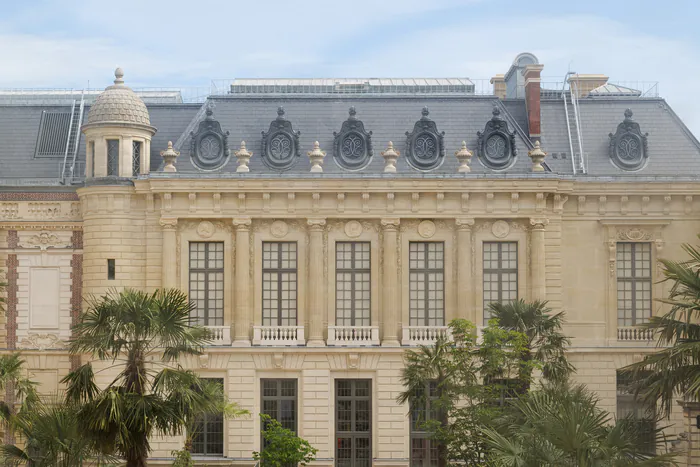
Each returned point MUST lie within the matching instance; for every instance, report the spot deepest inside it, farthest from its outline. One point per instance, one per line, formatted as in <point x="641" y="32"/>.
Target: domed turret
<point x="118" y="104"/>
<point x="118" y="133"/>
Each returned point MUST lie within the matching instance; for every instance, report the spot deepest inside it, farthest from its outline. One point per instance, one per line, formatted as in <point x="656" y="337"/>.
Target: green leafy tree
<point x="465" y="377"/>
<point x="545" y="341"/>
<point x="562" y="426"/>
<point x="139" y="336"/>
<point x="282" y="447"/>
<point x="675" y="369"/>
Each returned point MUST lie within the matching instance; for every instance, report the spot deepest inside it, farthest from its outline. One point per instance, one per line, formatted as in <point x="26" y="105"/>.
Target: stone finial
<point x="169" y="156"/>
<point x="537" y="155"/>
<point x="464" y="156"/>
<point x="316" y="157"/>
<point x="118" y="76"/>
<point x="390" y="157"/>
<point x="243" y="157"/>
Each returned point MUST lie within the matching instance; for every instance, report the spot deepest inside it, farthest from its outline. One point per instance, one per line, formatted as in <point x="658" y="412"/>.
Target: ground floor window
<point x="208" y="435"/>
<point x="638" y="412"/>
<point x="353" y="422"/>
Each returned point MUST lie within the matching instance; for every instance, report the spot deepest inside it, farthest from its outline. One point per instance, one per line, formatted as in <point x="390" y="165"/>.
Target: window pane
<point x="353" y="423"/>
<point x="206" y="281"/>
<point x="279" y="273"/>
<point x="208" y="436"/>
<point x="426" y="284"/>
<point x="633" y="283"/>
<point x="500" y="270"/>
<point x="136" y="161"/>
<point x="112" y="157"/>
<point x="353" y="284"/>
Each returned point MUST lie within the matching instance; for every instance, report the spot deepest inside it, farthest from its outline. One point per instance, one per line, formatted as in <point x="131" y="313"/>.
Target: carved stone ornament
<point x="628" y="146"/>
<point x="426" y="229"/>
<point x="425" y="147"/>
<point x="43" y="241"/>
<point x="634" y="234"/>
<point x="500" y="229"/>
<point x="209" y="144"/>
<point x="496" y="145"/>
<point x="280" y="144"/>
<point x="353" y="229"/>
<point x="279" y="229"/>
<point x="41" y="342"/>
<point x="205" y="229"/>
<point x="352" y="146"/>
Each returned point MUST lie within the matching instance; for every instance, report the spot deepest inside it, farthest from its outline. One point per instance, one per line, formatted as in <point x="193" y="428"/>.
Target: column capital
<point x="168" y="223"/>
<point x="241" y="223"/>
<point x="464" y="223"/>
<point x="390" y="223"/>
<point x="316" y="224"/>
<point x="539" y="223"/>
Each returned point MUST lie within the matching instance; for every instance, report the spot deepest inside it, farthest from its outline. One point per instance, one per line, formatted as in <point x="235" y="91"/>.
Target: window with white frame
<point x="426" y="283"/>
<point x="500" y="269"/>
<point x="279" y="284"/>
<point x="352" y="284"/>
<point x="633" y="283"/>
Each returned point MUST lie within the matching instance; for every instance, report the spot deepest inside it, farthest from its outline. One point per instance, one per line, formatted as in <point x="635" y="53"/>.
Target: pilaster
<point x="169" y="269"/>
<point x="316" y="228"/>
<point x="390" y="297"/>
<point x="537" y="259"/>
<point x="465" y="279"/>
<point x="242" y="317"/>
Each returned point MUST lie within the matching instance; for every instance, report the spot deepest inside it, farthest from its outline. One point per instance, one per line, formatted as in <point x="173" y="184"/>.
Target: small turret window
<point x="112" y="157"/>
<point x="92" y="158"/>
<point x="136" y="161"/>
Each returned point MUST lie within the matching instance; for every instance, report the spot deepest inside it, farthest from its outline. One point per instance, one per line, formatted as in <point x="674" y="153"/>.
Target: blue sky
<point x="68" y="43"/>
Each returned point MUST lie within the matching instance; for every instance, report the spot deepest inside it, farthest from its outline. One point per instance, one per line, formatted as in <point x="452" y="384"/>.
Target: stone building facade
<point x="317" y="265"/>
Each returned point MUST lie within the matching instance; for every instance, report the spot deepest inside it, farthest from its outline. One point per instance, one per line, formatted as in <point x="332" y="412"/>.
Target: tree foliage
<point x="675" y="369"/>
<point x="282" y="447"/>
<point x="140" y="336"/>
<point x="562" y="426"/>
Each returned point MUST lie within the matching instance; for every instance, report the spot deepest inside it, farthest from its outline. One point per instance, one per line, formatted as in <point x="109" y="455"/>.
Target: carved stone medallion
<point x="353" y="229"/>
<point x="279" y="229"/>
<point x="426" y="229"/>
<point x="500" y="229"/>
<point x="205" y="229"/>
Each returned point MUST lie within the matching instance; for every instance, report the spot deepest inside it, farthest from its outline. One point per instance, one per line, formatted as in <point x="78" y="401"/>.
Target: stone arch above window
<point x="496" y="145"/>
<point x="352" y="146"/>
<point x="280" y="144"/>
<point x="425" y="144"/>
<point x="628" y="146"/>
<point x="209" y="144"/>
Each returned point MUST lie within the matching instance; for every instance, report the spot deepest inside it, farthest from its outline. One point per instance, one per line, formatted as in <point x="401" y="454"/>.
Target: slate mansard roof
<point x="672" y="149"/>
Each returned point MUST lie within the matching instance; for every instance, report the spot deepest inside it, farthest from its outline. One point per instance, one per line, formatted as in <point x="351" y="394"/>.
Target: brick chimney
<point x="499" y="86"/>
<point x="531" y="73"/>
<point x="586" y="83"/>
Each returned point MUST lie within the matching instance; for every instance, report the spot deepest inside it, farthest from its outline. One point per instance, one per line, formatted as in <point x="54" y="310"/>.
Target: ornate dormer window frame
<point x="352" y="145"/>
<point x="496" y="144"/>
<point x="628" y="146"/>
<point x="425" y="145"/>
<point x="280" y="144"/>
<point x="209" y="144"/>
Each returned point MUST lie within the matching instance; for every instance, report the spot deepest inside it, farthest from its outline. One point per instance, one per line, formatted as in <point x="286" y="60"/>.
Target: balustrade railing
<point x="634" y="334"/>
<point x="278" y="335"/>
<point x="353" y="336"/>
<point x="220" y="335"/>
<point x="423" y="335"/>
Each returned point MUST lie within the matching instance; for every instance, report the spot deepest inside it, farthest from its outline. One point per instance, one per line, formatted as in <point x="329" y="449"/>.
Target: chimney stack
<point x="499" y="86"/>
<point x="531" y="73"/>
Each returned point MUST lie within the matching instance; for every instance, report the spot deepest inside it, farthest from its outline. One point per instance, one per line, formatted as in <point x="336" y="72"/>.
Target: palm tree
<point x="674" y="370"/>
<point x="544" y="340"/>
<point x="52" y="437"/>
<point x="140" y="336"/>
<point x="561" y="426"/>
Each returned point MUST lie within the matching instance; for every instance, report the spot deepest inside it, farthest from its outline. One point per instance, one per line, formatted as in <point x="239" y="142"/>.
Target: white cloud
<point x="162" y="43"/>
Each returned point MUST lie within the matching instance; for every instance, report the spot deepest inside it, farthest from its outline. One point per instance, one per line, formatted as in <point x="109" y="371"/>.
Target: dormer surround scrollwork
<point x="280" y="144"/>
<point x="209" y="144"/>
<point x="496" y="144"/>
<point x="425" y="147"/>
<point x="628" y="146"/>
<point x="352" y="146"/>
